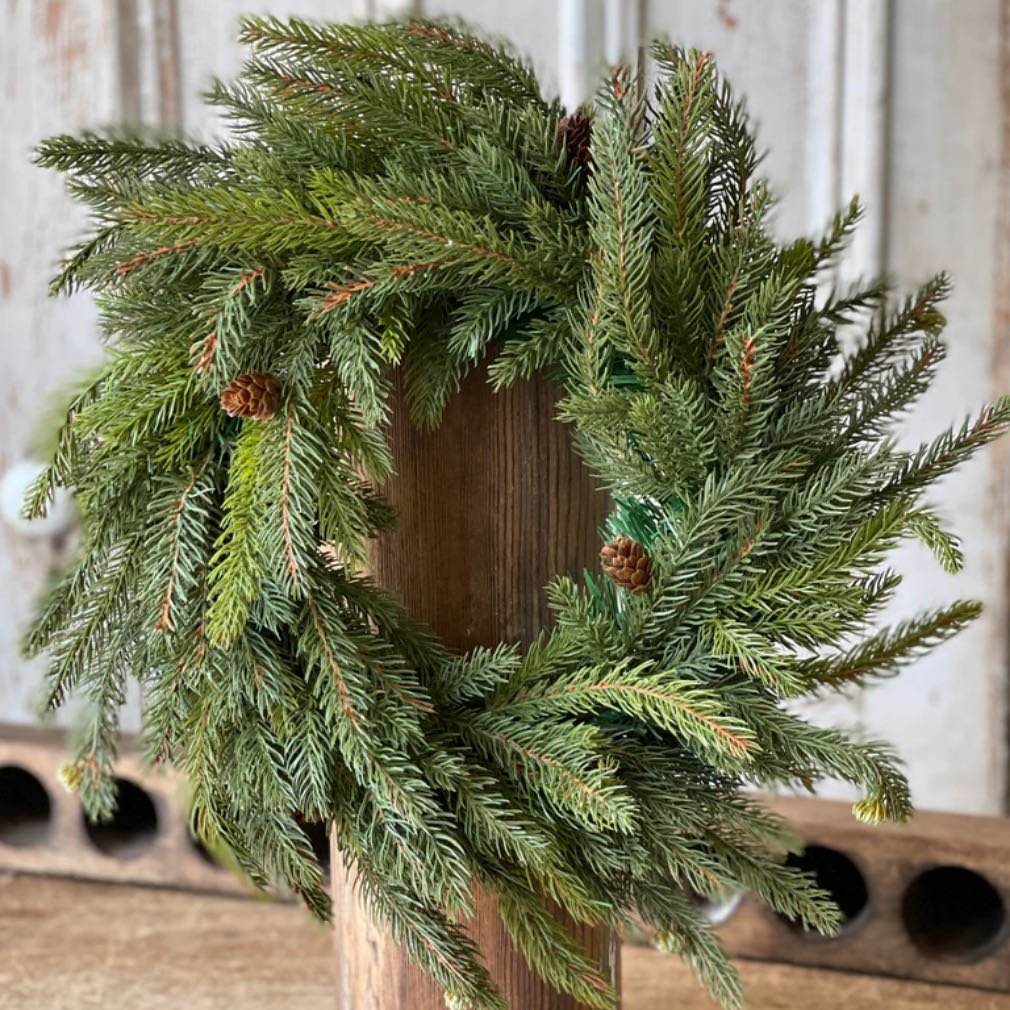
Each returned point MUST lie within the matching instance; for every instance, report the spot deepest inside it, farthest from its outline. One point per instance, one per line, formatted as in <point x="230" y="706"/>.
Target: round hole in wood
<point x="952" y="913"/>
<point x="319" y="839"/>
<point x="134" y="825"/>
<point x="836" y="873"/>
<point x="25" y="808"/>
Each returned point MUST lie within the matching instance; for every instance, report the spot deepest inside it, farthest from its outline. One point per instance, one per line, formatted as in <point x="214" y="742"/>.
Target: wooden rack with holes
<point x="43" y="829"/>
<point x="928" y="900"/>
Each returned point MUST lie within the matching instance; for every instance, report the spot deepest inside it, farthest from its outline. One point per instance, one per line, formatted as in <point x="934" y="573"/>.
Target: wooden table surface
<point x="84" y="946"/>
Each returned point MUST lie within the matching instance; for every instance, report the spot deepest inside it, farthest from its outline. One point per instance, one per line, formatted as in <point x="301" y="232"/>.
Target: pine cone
<point x="252" y="394"/>
<point x="628" y="564"/>
<point x="576" y="132"/>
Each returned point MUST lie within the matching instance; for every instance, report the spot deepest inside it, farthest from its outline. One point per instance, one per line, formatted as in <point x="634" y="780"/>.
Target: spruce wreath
<point x="402" y="195"/>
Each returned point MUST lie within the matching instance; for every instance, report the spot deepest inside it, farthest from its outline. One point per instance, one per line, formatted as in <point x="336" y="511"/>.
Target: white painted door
<point x="906" y="102"/>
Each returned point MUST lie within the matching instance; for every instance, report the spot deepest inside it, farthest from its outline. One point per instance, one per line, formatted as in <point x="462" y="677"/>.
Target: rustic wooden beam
<point x="491" y="506"/>
<point x="43" y="829"/>
<point x="926" y="900"/>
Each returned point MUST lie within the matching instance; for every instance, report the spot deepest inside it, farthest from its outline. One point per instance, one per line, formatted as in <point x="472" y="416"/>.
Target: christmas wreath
<point x="402" y="195"/>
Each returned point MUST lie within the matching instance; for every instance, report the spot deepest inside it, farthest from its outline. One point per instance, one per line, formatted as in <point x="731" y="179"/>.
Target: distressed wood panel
<point x="209" y="48"/>
<point x="535" y="29"/>
<point x="946" y="207"/>
<point x="59" y="73"/>
<point x="902" y="100"/>
<point x="781" y="55"/>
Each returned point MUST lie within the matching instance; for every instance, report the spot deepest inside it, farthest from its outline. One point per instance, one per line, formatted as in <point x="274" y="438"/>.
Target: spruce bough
<point x="402" y="195"/>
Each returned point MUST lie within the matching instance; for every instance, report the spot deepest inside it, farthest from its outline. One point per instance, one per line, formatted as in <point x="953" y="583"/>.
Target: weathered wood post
<point x="491" y="505"/>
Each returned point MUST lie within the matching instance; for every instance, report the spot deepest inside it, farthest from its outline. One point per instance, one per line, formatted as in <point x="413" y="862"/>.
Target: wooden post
<point x="491" y="505"/>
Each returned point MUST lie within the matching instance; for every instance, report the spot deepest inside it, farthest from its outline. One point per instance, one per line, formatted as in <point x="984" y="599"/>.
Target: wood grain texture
<point x="373" y="974"/>
<point x="67" y="945"/>
<point x="1000" y="351"/>
<point x="491" y="506"/>
<point x="654" y="981"/>
<point x="57" y="75"/>
<point x="945" y="210"/>
<point x="905" y="102"/>
<point x="947" y="176"/>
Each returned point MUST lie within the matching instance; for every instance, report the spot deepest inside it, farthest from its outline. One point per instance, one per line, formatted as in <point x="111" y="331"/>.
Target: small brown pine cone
<point x="628" y="564"/>
<point x="254" y="395"/>
<point x="576" y="132"/>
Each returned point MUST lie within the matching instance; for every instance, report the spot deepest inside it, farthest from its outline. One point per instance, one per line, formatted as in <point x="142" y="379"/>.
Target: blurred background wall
<point x="905" y="102"/>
